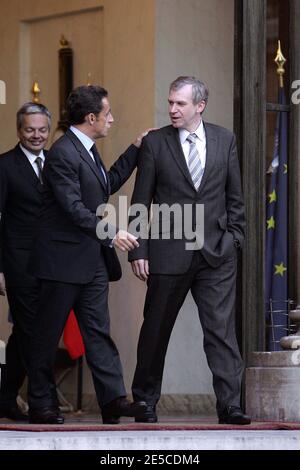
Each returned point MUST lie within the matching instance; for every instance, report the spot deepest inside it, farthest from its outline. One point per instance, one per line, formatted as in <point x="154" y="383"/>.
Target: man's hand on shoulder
<point x="2" y="284"/>
<point x="125" y="241"/>
<point x="138" y="140"/>
<point x="140" y="268"/>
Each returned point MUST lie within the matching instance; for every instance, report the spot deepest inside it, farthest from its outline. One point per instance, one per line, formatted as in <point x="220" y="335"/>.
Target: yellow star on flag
<point x="271" y="223"/>
<point x="280" y="269"/>
<point x="285" y="168"/>
<point x="272" y="196"/>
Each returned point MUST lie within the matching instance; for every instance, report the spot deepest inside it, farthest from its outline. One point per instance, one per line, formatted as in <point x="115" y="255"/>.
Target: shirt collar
<point x="86" y="141"/>
<point x="31" y="156"/>
<point x="200" y="133"/>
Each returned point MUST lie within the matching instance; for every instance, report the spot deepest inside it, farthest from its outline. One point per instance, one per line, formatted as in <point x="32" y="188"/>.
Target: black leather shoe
<point x="233" y="415"/>
<point x="12" y="412"/>
<point x="46" y="416"/>
<point x="149" y="415"/>
<point x="121" y="407"/>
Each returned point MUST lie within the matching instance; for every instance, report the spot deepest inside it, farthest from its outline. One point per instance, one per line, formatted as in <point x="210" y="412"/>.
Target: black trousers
<point x="214" y="293"/>
<point x="23" y="302"/>
<point x="90" y="304"/>
<point x="12" y="373"/>
<point x="23" y="305"/>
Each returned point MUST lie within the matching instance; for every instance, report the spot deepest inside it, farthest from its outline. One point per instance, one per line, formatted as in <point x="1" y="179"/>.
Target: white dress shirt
<point x="200" y="143"/>
<point x="86" y="141"/>
<point x="32" y="157"/>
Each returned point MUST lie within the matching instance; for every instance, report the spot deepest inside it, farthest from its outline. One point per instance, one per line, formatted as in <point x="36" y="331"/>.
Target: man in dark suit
<point x="20" y="203"/>
<point x="73" y="263"/>
<point x="187" y="164"/>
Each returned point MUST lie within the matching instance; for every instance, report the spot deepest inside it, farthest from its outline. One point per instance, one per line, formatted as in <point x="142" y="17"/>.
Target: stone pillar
<point x="272" y="386"/>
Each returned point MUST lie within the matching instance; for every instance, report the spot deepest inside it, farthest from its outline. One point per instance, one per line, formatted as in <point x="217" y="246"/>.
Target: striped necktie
<point x="194" y="162"/>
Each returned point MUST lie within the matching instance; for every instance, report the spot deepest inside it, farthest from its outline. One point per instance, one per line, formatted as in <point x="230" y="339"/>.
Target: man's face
<point x="103" y="121"/>
<point x="184" y="114"/>
<point x="34" y="132"/>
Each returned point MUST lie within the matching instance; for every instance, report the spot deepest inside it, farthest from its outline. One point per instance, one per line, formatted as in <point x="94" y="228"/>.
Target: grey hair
<point x="32" y="108"/>
<point x="199" y="89"/>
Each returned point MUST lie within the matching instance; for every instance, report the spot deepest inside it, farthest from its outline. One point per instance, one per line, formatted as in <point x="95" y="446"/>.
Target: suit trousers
<point x="23" y="304"/>
<point x="213" y="290"/>
<point x="12" y="373"/>
<point x="90" y="304"/>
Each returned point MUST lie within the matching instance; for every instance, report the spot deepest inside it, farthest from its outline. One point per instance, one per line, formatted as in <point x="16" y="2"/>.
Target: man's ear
<point x="201" y="106"/>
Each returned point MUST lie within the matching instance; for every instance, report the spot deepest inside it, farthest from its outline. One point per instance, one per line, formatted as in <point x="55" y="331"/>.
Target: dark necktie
<point x="39" y="164"/>
<point x="98" y="162"/>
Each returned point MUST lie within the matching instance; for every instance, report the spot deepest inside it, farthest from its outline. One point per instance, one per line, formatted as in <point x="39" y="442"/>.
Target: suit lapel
<point x="25" y="167"/>
<point x="88" y="159"/>
<point x="211" y="150"/>
<point x="174" y="144"/>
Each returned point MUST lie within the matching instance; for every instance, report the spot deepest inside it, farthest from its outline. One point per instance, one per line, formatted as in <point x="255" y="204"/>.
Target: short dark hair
<point x="84" y="100"/>
<point x="32" y="108"/>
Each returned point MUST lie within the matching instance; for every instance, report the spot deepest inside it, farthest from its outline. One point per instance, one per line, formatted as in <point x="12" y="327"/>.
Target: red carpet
<point x="201" y="425"/>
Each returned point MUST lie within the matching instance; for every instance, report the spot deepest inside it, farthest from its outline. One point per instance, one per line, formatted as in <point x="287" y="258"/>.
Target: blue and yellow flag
<point x="277" y="237"/>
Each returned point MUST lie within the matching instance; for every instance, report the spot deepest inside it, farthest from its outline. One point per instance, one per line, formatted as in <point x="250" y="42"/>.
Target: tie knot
<point x="39" y="161"/>
<point x="191" y="138"/>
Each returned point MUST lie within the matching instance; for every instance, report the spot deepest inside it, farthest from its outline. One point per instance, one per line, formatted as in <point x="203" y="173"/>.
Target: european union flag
<point x="277" y="236"/>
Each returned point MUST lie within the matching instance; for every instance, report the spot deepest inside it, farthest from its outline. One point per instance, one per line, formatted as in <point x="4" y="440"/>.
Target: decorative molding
<point x="62" y="14"/>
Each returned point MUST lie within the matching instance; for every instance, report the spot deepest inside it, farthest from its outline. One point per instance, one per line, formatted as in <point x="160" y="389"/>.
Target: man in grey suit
<point x="190" y="163"/>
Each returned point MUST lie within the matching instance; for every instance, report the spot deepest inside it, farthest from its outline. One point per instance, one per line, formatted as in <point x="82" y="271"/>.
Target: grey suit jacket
<point x="163" y="178"/>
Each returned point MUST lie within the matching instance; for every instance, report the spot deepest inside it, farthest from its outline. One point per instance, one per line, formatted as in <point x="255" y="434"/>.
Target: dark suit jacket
<point x="67" y="248"/>
<point x="20" y="204"/>
<point x="163" y="178"/>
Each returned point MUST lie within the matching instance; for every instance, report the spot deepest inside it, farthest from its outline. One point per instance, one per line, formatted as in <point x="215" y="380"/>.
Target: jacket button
<point x="105" y="199"/>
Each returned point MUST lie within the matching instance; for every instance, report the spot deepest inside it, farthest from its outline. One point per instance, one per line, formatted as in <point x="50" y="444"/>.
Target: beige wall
<point x="124" y="51"/>
<point x="142" y="46"/>
<point x="127" y="71"/>
<point x="15" y="20"/>
<point x="81" y="28"/>
<point x="129" y="75"/>
<point x="193" y="37"/>
<point x="196" y="37"/>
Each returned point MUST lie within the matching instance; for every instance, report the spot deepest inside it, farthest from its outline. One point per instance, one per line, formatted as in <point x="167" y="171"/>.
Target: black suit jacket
<point x="67" y="248"/>
<point x="163" y="177"/>
<point x="20" y="204"/>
